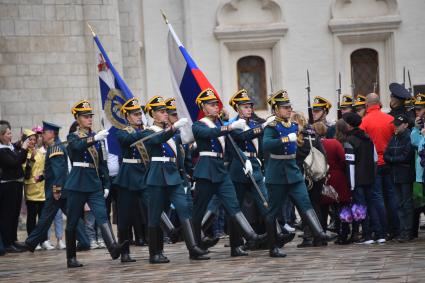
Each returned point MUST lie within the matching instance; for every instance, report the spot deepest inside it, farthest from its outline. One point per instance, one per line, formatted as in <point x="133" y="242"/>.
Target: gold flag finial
<point x="91" y="29"/>
<point x="164" y="16"/>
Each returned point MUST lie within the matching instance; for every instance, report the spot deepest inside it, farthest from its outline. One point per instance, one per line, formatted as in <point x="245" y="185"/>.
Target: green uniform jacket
<point x="84" y="179"/>
<point x="281" y="171"/>
<point x="131" y="175"/>
<point x="211" y="168"/>
<point x="245" y="141"/>
<point x="162" y="173"/>
<point x="55" y="169"/>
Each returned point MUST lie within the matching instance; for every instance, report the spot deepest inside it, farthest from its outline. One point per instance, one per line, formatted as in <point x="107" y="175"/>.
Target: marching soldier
<point x="249" y="141"/>
<point x="283" y="176"/>
<point x="186" y="161"/>
<point x="55" y="173"/>
<point x="87" y="181"/>
<point x="164" y="182"/>
<point x="359" y="105"/>
<point x="210" y="173"/>
<point x="346" y="104"/>
<point x="186" y="171"/>
<point x="321" y="107"/>
<point x="399" y="95"/>
<point x="131" y="174"/>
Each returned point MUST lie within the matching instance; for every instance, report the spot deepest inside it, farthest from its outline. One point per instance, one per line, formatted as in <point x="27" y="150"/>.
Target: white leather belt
<point x="83" y="164"/>
<point x="163" y="159"/>
<point x="282" y="156"/>
<point x="211" y="154"/>
<point x="250" y="154"/>
<point x="131" y="161"/>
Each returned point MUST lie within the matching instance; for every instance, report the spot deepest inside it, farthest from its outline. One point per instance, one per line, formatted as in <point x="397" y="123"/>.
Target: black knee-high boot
<point x="195" y="252"/>
<point x="155" y="250"/>
<point x="113" y="247"/>
<point x="71" y="250"/>
<point x="274" y="250"/>
<point x="168" y="226"/>
<point x="123" y="239"/>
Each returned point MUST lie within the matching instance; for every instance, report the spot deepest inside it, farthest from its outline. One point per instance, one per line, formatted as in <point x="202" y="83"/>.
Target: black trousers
<point x="34" y="209"/>
<point x="10" y="208"/>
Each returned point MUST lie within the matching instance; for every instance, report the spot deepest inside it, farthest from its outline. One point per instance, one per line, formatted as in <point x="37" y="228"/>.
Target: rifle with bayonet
<point x="410" y="83"/>
<point x="338" y="93"/>
<point x="310" y="110"/>
<point x="353" y="87"/>
<point x="376" y="83"/>
<point x="404" y="76"/>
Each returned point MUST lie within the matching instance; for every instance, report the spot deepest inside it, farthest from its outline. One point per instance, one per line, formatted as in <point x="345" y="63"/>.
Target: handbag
<point x="315" y="164"/>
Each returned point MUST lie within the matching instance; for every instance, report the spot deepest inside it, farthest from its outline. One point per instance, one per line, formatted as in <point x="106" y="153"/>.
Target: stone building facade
<point x="47" y="55"/>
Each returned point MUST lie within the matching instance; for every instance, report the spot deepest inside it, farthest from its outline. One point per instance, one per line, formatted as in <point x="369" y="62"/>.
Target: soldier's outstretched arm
<point x="239" y="135"/>
<point x="125" y="138"/>
<point x="76" y="143"/>
<point x="200" y="130"/>
<point x="161" y="138"/>
<point x="271" y="140"/>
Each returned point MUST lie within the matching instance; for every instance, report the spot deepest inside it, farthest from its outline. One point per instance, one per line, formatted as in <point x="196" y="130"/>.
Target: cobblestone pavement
<point x="391" y="262"/>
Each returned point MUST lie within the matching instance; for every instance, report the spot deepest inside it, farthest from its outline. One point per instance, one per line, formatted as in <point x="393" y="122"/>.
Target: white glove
<point x="292" y="137"/>
<point x="180" y="123"/>
<point x="105" y="193"/>
<point x="268" y="121"/>
<point x="238" y="124"/>
<point x="101" y="135"/>
<point x="248" y="167"/>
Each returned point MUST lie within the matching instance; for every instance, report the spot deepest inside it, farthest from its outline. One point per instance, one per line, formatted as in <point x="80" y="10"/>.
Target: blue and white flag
<point x="114" y="93"/>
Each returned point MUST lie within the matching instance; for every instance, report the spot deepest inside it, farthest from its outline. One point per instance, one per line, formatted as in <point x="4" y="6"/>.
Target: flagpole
<point x="164" y="16"/>
<point x="91" y="29"/>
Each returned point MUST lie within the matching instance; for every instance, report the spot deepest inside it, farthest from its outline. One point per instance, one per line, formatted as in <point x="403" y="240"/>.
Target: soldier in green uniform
<point x="346" y="104"/>
<point x="131" y="174"/>
<point x="164" y="182"/>
<point x="87" y="181"/>
<point x="321" y="107"/>
<point x="359" y="105"/>
<point x="210" y="173"/>
<point x="55" y="173"/>
<point x="250" y="142"/>
<point x="283" y="176"/>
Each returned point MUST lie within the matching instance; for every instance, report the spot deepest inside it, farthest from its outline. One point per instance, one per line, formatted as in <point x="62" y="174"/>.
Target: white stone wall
<point x="47" y="56"/>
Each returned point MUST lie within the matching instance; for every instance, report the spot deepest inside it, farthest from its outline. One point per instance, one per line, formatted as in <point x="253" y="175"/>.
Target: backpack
<point x="315" y="164"/>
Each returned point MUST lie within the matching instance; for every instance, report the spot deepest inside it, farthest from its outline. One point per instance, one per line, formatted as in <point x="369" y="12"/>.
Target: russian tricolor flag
<point x="114" y="92"/>
<point x="188" y="81"/>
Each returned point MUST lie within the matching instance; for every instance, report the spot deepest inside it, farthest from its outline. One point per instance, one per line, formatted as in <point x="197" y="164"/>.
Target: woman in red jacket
<point x="337" y="178"/>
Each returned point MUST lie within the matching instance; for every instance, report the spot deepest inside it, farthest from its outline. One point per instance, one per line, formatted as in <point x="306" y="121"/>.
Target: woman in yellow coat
<point x="34" y="183"/>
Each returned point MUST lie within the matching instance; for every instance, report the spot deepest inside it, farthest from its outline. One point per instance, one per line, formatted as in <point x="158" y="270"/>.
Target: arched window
<point x="365" y="71"/>
<point x="252" y="77"/>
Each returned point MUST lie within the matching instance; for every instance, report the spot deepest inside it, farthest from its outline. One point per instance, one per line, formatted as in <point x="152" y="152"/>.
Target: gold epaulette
<point x="257" y="130"/>
<point x="285" y="139"/>
<point x="56" y="151"/>
<point x="272" y="123"/>
<point x="129" y="129"/>
<point x="224" y="128"/>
